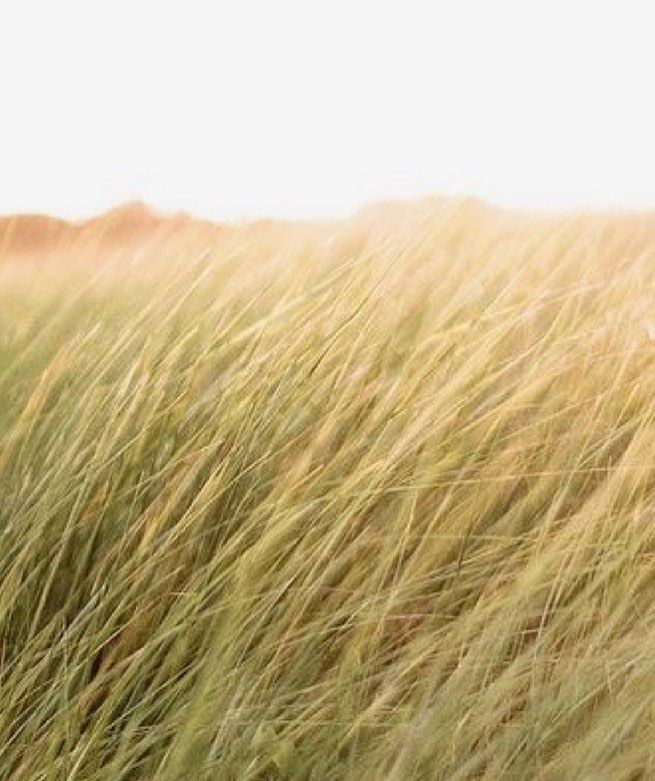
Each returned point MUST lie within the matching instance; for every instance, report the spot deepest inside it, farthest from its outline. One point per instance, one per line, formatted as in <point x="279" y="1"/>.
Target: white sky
<point x="310" y="108"/>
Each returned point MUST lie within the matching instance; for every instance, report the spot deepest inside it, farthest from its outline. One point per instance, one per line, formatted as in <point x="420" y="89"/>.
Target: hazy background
<point x="231" y="109"/>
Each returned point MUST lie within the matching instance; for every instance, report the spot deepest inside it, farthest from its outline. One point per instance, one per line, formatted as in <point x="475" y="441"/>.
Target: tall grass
<point x="363" y="500"/>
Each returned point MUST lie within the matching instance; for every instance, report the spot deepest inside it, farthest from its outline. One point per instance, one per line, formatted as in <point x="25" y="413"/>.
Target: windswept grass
<point x="371" y="500"/>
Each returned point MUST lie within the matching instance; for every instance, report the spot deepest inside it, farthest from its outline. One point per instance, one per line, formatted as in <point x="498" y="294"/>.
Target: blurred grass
<point x="365" y="500"/>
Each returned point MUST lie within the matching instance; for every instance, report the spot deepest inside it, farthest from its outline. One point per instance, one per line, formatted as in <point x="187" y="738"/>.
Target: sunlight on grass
<point x="359" y="500"/>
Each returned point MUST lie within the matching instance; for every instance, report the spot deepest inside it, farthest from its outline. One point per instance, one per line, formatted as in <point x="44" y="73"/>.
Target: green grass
<point x="365" y="502"/>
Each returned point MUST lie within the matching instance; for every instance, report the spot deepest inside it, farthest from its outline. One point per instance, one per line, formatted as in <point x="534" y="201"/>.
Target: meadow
<point x="363" y="499"/>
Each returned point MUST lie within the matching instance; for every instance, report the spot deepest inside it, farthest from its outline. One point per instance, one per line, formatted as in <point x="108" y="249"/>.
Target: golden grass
<point x="370" y="499"/>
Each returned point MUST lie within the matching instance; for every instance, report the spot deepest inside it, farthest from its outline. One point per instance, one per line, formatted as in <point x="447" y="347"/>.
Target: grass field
<point x="360" y="500"/>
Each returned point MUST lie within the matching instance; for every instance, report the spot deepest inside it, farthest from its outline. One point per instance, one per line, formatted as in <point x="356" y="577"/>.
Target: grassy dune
<point x="351" y="501"/>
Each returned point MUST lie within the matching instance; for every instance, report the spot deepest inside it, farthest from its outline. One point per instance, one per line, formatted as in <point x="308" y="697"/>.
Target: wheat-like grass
<point x="363" y="500"/>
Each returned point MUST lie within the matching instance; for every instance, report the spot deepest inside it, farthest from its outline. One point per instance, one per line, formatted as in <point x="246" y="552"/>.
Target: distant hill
<point x="36" y="235"/>
<point x="129" y="228"/>
<point x="30" y="233"/>
<point x="33" y="237"/>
